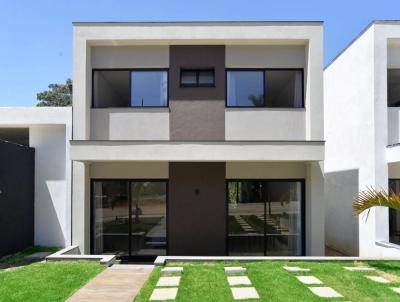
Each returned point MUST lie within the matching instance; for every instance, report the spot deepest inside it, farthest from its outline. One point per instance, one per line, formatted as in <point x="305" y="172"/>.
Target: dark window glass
<point x="197" y="78"/>
<point x="265" y="88"/>
<point x="111" y="88"/>
<point x="125" y="88"/>
<point x="129" y="217"/>
<point x="206" y="78"/>
<point x="393" y="86"/>
<point x="245" y="88"/>
<point x="188" y="78"/>
<point x="111" y="217"/>
<point x="264" y="218"/>
<point x="394" y="215"/>
<point x="149" y="88"/>
<point x="284" y="88"/>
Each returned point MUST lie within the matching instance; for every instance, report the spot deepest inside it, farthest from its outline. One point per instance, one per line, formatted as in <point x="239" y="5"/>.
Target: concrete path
<point x="116" y="283"/>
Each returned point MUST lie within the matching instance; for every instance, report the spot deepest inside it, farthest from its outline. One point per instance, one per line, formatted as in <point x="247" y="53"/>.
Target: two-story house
<point x="362" y="99"/>
<point x="198" y="138"/>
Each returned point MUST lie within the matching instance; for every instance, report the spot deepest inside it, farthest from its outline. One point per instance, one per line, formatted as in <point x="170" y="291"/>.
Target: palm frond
<point x="375" y="198"/>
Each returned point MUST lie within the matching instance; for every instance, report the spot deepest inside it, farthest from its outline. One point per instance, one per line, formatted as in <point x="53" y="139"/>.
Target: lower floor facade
<point x="146" y="209"/>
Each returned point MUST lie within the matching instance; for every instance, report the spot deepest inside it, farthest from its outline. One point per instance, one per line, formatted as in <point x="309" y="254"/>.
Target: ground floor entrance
<point x="198" y="210"/>
<point x="129" y="217"/>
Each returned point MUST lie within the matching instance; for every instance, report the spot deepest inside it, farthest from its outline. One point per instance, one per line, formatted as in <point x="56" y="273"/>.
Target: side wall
<point x="51" y="185"/>
<point x="350" y="143"/>
<point x="17" y="164"/>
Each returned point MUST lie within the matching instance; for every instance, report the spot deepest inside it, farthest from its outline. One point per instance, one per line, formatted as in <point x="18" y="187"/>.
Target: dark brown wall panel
<point x="196" y="209"/>
<point x="197" y="113"/>
<point x="196" y="56"/>
<point x="197" y="120"/>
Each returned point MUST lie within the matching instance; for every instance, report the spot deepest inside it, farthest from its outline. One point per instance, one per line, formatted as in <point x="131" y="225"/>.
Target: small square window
<point x="197" y="78"/>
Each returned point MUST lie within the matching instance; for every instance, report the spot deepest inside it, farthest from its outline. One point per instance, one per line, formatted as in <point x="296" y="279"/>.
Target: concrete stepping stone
<point x="309" y="280"/>
<point x="37" y="256"/>
<point x="296" y="269"/>
<point x="239" y="280"/>
<point x="243" y="293"/>
<point x="396" y="289"/>
<point x="168" y="281"/>
<point x="172" y="270"/>
<point x="161" y="294"/>
<point x="378" y="279"/>
<point x="234" y="270"/>
<point x="359" y="268"/>
<point x="325" y="292"/>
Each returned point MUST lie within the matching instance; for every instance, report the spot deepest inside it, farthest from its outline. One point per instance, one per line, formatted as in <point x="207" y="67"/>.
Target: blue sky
<point x="36" y="36"/>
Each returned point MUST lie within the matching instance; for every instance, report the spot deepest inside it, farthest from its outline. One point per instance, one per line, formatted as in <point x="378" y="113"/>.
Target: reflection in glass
<point x="245" y="88"/>
<point x="111" y="217"/>
<point x="149" y="223"/>
<point x="130" y="217"/>
<point x="245" y="218"/>
<point x="264" y="218"/>
<point x="149" y="88"/>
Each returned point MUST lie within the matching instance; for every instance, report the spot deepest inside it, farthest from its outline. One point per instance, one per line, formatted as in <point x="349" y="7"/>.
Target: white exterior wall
<point x="49" y="133"/>
<point x="130" y="124"/>
<point x="124" y="45"/>
<point x="356" y="123"/>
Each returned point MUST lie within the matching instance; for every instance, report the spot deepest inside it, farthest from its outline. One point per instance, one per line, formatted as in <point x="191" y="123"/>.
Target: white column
<point x="315" y="216"/>
<point x="81" y="206"/>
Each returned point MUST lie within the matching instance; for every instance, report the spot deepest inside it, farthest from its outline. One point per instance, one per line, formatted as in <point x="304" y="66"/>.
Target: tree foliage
<point x="375" y="198"/>
<point x="58" y="95"/>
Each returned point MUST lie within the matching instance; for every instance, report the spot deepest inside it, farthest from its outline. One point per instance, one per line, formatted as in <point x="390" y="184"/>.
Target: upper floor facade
<point x="223" y="81"/>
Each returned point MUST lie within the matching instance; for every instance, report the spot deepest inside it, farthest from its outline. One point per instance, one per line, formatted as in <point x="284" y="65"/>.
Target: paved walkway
<point x="116" y="283"/>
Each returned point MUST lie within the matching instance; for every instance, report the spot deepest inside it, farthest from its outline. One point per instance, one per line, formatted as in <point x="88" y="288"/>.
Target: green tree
<point x="58" y="95"/>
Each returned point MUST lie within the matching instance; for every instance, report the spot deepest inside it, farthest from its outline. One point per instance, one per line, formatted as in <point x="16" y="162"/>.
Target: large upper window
<point x="275" y="88"/>
<point x="130" y="88"/>
<point x="393" y="86"/>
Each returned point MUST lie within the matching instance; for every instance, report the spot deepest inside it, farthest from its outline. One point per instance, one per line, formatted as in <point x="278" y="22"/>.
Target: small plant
<point x="375" y="198"/>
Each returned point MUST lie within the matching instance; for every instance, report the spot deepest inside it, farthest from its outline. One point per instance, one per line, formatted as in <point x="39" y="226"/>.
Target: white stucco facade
<point x="129" y="143"/>
<point x="50" y="130"/>
<point x="359" y="126"/>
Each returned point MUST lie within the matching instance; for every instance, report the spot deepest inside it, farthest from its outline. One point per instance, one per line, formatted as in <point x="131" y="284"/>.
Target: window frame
<point x="130" y="70"/>
<point x="129" y="181"/>
<point x="266" y="181"/>
<point x="264" y="70"/>
<point x="197" y="72"/>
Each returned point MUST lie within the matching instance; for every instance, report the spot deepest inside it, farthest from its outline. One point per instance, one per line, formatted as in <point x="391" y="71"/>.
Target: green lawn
<point x="51" y="281"/>
<point x="207" y="282"/>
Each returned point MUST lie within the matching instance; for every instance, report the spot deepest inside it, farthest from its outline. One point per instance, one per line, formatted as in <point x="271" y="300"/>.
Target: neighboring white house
<point x="48" y="130"/>
<point x="362" y="132"/>
<point x="198" y="138"/>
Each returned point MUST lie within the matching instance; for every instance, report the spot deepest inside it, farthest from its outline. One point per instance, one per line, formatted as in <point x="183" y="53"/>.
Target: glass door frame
<point x="129" y="181"/>
<point x="267" y="181"/>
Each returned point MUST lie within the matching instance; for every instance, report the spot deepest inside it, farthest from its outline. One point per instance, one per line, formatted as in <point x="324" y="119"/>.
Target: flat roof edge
<point x="384" y="22"/>
<point x="211" y="23"/>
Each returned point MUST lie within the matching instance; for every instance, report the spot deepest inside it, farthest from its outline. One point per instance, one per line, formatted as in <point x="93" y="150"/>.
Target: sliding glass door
<point x="129" y="217"/>
<point x="394" y="215"/>
<point x="265" y="217"/>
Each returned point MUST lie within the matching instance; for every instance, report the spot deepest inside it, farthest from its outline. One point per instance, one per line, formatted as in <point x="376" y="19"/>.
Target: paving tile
<point x="172" y="270"/>
<point x="378" y="279"/>
<point x="396" y="289"/>
<point x="243" y="293"/>
<point x="161" y="294"/>
<point x="296" y="269"/>
<point x="309" y="280"/>
<point x="168" y="281"/>
<point x="359" y="268"/>
<point x="325" y="292"/>
<point x="239" y="280"/>
<point x="234" y="270"/>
